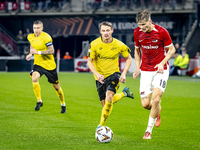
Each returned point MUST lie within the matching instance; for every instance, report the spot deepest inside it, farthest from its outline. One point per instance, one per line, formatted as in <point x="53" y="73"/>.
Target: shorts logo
<point x="142" y="93"/>
<point x="113" y="82"/>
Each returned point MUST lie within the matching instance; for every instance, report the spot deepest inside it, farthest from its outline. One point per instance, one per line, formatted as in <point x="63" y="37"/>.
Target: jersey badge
<point x="154" y="40"/>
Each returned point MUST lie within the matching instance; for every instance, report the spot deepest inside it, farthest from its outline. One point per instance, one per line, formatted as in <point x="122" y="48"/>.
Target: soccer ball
<point x="104" y="134"/>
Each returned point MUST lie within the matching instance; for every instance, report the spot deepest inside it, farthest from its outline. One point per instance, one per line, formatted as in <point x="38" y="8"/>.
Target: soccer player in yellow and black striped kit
<point x="103" y="58"/>
<point x="42" y="48"/>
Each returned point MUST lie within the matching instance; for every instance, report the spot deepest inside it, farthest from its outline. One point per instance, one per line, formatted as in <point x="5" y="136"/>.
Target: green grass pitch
<point x="21" y="127"/>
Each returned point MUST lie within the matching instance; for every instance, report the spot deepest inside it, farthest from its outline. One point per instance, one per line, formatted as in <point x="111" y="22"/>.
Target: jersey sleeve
<point x="48" y="40"/>
<point x="137" y="44"/>
<point x="91" y="51"/>
<point x="166" y="38"/>
<point x="125" y="50"/>
<point x="29" y="37"/>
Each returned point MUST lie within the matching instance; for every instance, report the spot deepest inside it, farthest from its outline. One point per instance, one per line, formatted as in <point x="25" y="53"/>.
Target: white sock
<point x="63" y="104"/>
<point x="125" y="94"/>
<point x="151" y="124"/>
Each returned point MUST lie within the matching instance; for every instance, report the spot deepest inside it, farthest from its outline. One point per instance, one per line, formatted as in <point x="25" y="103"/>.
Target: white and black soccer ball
<point x="104" y="134"/>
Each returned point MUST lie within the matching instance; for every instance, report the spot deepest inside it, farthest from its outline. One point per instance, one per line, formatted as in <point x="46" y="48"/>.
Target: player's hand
<point x="100" y="78"/>
<point x="33" y="51"/>
<point x="160" y="68"/>
<point x="136" y="74"/>
<point x="122" y="78"/>
<point x="28" y="57"/>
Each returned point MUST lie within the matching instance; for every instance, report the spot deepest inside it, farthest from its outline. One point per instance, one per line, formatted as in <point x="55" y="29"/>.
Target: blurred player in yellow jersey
<point x="103" y="58"/>
<point x="42" y="48"/>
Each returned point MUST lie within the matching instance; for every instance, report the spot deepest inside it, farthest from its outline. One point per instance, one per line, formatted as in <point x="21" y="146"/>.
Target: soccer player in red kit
<point x="151" y="59"/>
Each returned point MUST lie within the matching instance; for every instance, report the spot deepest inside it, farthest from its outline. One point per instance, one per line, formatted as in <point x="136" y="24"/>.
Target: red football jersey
<point x="153" y="46"/>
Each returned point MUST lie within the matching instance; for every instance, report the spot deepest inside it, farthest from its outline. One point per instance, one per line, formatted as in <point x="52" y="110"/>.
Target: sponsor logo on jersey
<point x="150" y="47"/>
<point x="102" y="57"/>
<point x="113" y="48"/>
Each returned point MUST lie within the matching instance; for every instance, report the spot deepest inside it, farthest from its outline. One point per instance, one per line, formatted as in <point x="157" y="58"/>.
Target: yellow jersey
<point x="41" y="43"/>
<point x="106" y="56"/>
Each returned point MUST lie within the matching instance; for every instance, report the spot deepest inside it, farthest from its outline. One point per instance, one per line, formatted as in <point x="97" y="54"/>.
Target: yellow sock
<point x="36" y="89"/>
<point x="106" y="110"/>
<point x="61" y="96"/>
<point x="117" y="97"/>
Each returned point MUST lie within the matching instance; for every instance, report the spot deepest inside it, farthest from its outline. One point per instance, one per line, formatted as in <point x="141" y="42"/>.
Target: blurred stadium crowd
<point x="93" y="5"/>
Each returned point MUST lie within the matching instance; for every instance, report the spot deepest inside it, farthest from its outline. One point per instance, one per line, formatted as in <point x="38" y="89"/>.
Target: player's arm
<point x="137" y="62"/>
<point x="50" y="50"/>
<point x="170" y="53"/>
<point x="127" y="66"/>
<point x="100" y="77"/>
<point x="30" y="54"/>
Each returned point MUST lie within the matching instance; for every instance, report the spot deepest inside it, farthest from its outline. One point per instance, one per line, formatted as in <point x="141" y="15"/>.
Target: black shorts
<point x="50" y="74"/>
<point x="110" y="83"/>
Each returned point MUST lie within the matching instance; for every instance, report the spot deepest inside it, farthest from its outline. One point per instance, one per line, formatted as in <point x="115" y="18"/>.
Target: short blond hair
<point x="38" y="22"/>
<point x="106" y="23"/>
<point x="143" y="15"/>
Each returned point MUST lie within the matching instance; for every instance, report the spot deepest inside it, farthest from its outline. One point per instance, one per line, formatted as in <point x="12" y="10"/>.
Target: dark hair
<point x="106" y="23"/>
<point x="143" y="15"/>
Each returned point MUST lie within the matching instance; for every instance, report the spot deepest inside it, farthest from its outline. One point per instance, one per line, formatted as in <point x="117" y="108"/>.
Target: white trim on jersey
<point x="169" y="45"/>
<point x="155" y="29"/>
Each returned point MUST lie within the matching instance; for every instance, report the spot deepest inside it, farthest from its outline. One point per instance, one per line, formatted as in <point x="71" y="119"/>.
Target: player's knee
<point x="146" y="105"/>
<point x="34" y="79"/>
<point x="56" y="87"/>
<point x="156" y="101"/>
<point x="109" y="97"/>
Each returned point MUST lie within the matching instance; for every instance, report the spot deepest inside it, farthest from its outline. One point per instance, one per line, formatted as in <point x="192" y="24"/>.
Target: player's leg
<point x="146" y="89"/>
<point x="107" y="107"/>
<point x="147" y="104"/>
<point x="103" y="102"/>
<point x="36" y="85"/>
<point x="124" y="93"/>
<point x="60" y="95"/>
<point x="36" y="89"/>
<point x="146" y="94"/>
<point x="159" y="83"/>
<point x="101" y="89"/>
<point x="107" y="91"/>
<point x="53" y="78"/>
<point x="156" y="108"/>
